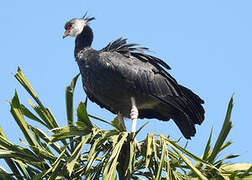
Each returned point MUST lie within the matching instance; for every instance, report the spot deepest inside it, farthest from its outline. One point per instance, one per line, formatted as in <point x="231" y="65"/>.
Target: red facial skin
<point x="67" y="32"/>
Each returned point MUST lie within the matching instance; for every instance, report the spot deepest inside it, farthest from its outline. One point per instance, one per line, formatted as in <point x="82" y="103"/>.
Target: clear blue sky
<point x="208" y="45"/>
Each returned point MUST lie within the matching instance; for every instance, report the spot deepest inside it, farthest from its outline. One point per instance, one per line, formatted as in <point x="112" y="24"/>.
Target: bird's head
<point x="76" y="25"/>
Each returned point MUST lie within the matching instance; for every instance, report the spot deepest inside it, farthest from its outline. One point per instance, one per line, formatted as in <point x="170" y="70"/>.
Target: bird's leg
<point x="133" y="117"/>
<point x="133" y="114"/>
<point x="120" y="118"/>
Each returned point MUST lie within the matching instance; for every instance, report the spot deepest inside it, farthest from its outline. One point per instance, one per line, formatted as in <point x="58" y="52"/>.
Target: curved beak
<point x="66" y="34"/>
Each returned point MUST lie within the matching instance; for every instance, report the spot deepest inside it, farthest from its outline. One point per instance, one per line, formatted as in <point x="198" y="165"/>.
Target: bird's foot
<point x="133" y="114"/>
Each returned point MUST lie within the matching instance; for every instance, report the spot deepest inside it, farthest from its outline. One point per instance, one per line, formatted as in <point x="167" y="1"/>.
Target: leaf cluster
<point x="82" y="150"/>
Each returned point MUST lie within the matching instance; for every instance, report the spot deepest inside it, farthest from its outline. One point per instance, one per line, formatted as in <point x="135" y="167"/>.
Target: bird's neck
<point x="83" y="40"/>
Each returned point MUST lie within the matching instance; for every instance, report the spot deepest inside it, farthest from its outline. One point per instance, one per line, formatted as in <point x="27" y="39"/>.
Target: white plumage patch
<point x="77" y="27"/>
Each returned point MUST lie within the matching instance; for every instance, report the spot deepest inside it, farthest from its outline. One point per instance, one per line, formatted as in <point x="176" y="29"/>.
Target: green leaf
<point x="237" y="167"/>
<point x="69" y="105"/>
<point x="43" y="154"/>
<point x="110" y="166"/>
<point x="18" y="155"/>
<point x="5" y="145"/>
<point x="155" y="149"/>
<point x="186" y="160"/>
<point x="141" y="128"/>
<point x="220" y="162"/>
<point x="132" y="156"/>
<point x="92" y="154"/>
<point x="47" y="139"/>
<point x="148" y="150"/>
<point x="117" y="124"/>
<point x="25" y="83"/>
<point x="22" y="167"/>
<point x="51" y="117"/>
<point x="13" y="167"/>
<point x="76" y="154"/>
<point x="225" y="145"/>
<point x="198" y="164"/>
<point x="161" y="162"/>
<point x="226" y="127"/>
<point x="26" y="112"/>
<point x="55" y="165"/>
<point x="69" y="131"/>
<point x="208" y="146"/>
<point x="83" y="115"/>
<point x="69" y="99"/>
<point x="2" y="133"/>
<point x="37" y="135"/>
<point x="42" y="110"/>
<point x="43" y="115"/>
<point x="186" y="152"/>
<point x="4" y="175"/>
<point x="99" y="119"/>
<point x="9" y="162"/>
<point x="109" y="153"/>
<point x="96" y="147"/>
<point x="167" y="167"/>
<point x="18" y="116"/>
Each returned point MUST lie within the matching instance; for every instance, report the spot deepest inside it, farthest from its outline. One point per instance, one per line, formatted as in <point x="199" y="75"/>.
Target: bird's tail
<point x="191" y="112"/>
<point x="185" y="110"/>
<point x="193" y="105"/>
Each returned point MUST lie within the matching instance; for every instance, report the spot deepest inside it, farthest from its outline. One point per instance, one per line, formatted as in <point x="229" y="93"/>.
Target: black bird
<point x="126" y="81"/>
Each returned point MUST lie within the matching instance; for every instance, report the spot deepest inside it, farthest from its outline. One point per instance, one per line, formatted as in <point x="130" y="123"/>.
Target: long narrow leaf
<point x="237" y="167"/>
<point x="83" y="115"/>
<point x="4" y="175"/>
<point x="26" y="112"/>
<point x="42" y="114"/>
<point x="226" y="127"/>
<point x="99" y="119"/>
<point x="47" y="139"/>
<point x="117" y="124"/>
<point x="9" y="162"/>
<point x="25" y="83"/>
<point x="68" y="131"/>
<point x="167" y="167"/>
<point x="148" y="150"/>
<point x="76" y="154"/>
<point x="198" y="164"/>
<point x="69" y="99"/>
<point x="18" y="116"/>
<point x="161" y="163"/>
<point x="186" y="160"/>
<point x="110" y="168"/>
<point x="141" y="128"/>
<point x="208" y="146"/>
<point x="22" y="168"/>
<point x="55" y="165"/>
<point x="187" y="152"/>
<point x="69" y="105"/>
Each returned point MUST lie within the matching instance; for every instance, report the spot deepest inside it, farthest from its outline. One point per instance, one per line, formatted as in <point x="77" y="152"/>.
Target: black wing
<point x="132" y="52"/>
<point x="149" y="76"/>
<point x="120" y="45"/>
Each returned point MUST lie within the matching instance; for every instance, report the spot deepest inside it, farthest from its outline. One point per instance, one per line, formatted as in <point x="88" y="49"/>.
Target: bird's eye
<point x="68" y="26"/>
